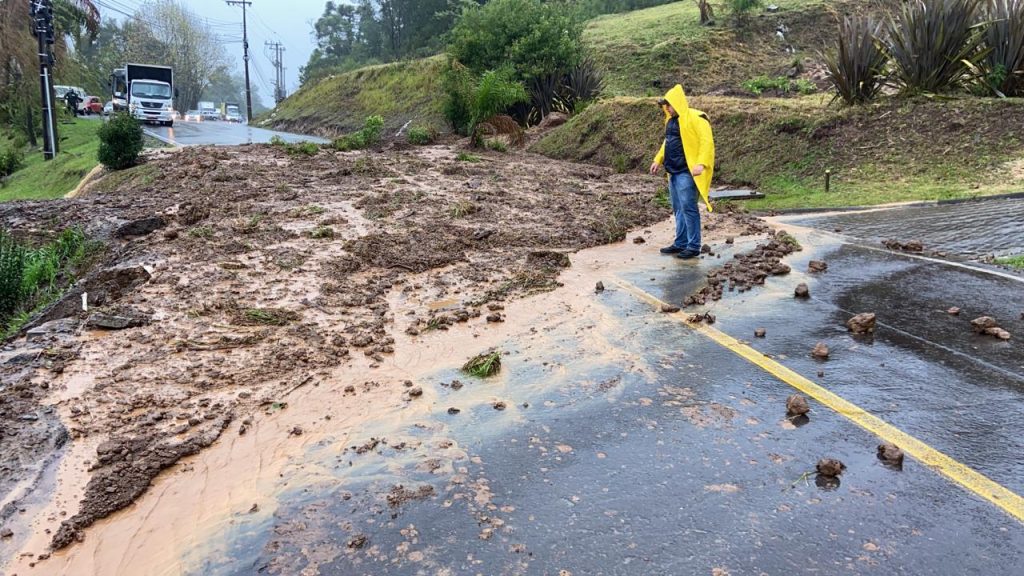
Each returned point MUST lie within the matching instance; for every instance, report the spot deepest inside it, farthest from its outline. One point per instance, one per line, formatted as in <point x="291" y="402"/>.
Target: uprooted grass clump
<point x="483" y="365"/>
<point x="264" y="317"/>
<point x="368" y="136"/>
<point x="296" y="149"/>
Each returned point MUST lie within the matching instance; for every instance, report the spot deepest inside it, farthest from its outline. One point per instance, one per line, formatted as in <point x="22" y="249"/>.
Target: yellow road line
<point x="956" y="471"/>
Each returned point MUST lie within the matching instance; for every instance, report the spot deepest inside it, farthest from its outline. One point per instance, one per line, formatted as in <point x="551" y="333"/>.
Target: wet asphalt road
<point x="221" y="133"/>
<point x="682" y="462"/>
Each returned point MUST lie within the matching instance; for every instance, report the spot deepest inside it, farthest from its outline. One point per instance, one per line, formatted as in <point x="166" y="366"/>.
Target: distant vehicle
<point x="209" y="111"/>
<point x="193" y="116"/>
<point x="146" y="91"/>
<point x="230" y="112"/>
<point x="61" y="91"/>
<point x="108" y="108"/>
<point x="91" y="105"/>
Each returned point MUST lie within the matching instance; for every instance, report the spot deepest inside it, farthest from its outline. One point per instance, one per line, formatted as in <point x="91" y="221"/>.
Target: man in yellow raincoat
<point x="688" y="155"/>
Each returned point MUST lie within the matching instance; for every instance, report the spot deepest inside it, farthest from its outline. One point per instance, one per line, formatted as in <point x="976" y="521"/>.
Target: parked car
<point x="91" y="105"/>
<point x="193" y="116"/>
<point x="108" y="108"/>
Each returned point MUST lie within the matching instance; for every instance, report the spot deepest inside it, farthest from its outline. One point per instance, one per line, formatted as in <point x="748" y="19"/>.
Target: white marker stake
<point x="85" y="301"/>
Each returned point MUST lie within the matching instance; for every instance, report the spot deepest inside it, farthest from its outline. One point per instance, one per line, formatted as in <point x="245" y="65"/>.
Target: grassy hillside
<point x="893" y="151"/>
<point x="40" y="179"/>
<point x="646" y="51"/>
<point x="399" y="92"/>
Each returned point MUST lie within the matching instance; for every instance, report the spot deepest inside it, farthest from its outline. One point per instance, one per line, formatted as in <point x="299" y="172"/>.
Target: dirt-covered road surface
<point x="287" y="396"/>
<point x="247" y="277"/>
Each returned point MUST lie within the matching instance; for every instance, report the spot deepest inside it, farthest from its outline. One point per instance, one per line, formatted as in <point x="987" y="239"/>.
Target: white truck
<point x="208" y="110"/>
<point x="146" y="91"/>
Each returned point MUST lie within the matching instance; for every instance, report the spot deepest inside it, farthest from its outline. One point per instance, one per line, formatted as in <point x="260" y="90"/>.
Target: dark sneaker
<point x="671" y="250"/>
<point x="687" y="254"/>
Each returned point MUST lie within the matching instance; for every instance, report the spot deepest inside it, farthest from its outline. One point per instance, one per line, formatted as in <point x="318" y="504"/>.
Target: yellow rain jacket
<point x="698" y="142"/>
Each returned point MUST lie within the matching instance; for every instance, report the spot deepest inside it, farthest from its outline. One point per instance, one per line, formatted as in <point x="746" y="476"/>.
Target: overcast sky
<point x="287" y="21"/>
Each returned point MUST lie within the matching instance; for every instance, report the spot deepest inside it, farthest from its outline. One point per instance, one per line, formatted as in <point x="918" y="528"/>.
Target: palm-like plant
<point x="857" y="68"/>
<point x="935" y="43"/>
<point x="1003" y="66"/>
<point x="495" y="93"/>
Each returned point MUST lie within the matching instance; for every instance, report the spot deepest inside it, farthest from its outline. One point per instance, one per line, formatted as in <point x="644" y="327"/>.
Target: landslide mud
<point x="276" y="274"/>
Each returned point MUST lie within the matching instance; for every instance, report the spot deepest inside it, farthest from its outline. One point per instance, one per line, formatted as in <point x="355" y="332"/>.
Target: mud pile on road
<point x="747" y="269"/>
<point x="258" y="271"/>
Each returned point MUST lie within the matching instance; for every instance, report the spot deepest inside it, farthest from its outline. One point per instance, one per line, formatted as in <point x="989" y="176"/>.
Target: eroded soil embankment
<point x="263" y="271"/>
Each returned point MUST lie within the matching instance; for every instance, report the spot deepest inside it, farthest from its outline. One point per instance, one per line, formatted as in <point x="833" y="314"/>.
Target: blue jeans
<point x="682" y="190"/>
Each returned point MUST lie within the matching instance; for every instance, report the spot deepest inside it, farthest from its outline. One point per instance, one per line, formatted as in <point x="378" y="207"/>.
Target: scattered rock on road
<point x="820" y="351"/>
<point x="912" y="246"/>
<point x="599" y="288"/>
<point x="358" y="541"/>
<point x="760" y="333"/>
<point x="830" y="467"/>
<point x="802" y="291"/>
<point x="863" y="323"/>
<point x="953" y="311"/>
<point x="140" y="227"/>
<point x="796" y="405"/>
<point x="817" y="266"/>
<point x="639" y="240"/>
<point x="988" y="325"/>
<point x="890" y="454"/>
<point x="669" y="308"/>
<point x="6" y="533"/>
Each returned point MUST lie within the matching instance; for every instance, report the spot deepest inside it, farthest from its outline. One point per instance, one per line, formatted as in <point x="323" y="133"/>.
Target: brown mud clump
<point x="914" y="246"/>
<point x="705" y="318"/>
<point x="820" y="351"/>
<point x="890" y="455"/>
<point x="989" y="326"/>
<point x="669" y="308"/>
<point x="802" y="291"/>
<point x="817" y="266"/>
<point x="830" y="467"/>
<point x="863" y="323"/>
<point x="796" y="405"/>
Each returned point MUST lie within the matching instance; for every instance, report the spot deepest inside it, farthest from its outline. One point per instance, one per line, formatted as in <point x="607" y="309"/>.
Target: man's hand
<point x="654" y="168"/>
<point x="697" y="170"/>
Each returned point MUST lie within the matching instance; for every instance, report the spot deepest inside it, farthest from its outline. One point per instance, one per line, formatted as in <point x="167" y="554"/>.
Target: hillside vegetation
<point x="400" y="92"/>
<point x="892" y="151"/>
<point x="41" y="179"/>
<point x="642" y="53"/>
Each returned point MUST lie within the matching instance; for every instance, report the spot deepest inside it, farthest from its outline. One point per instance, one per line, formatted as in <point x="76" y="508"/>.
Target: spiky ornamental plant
<point x="857" y="68"/>
<point x="1003" y="66"/>
<point x="934" y="44"/>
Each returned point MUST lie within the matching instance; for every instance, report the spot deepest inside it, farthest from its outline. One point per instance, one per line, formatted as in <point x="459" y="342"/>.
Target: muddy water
<point x="180" y="525"/>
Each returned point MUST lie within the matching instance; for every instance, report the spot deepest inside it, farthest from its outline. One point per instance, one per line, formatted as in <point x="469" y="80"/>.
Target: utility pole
<point x="245" y="48"/>
<point x="41" y="12"/>
<point x="278" y="62"/>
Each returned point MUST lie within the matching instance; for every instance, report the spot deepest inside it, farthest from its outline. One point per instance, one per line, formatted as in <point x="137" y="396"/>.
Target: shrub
<point x="933" y="44"/>
<point x="1003" y="66"/>
<point x="421" y="136"/>
<point x="740" y="10"/>
<point x="477" y="107"/>
<point x="856" y="68"/>
<point x="120" y="141"/>
<point x="10" y="161"/>
<point x="532" y="37"/>
<point x="367" y="136"/>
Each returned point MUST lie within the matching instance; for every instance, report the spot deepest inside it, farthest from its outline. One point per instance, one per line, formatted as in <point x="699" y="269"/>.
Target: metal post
<point x="828" y="180"/>
<point x="245" y="49"/>
<point x="42" y="27"/>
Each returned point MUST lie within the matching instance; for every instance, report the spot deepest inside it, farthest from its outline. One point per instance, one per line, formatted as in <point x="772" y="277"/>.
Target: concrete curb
<point x="967" y="200"/>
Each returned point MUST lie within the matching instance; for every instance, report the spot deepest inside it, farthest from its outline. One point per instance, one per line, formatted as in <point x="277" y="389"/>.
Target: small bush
<point x="466" y="157"/>
<point x="10" y="161"/>
<point x="421" y="136"/>
<point x="496" y="145"/>
<point x="740" y="10"/>
<point x="121" y="142"/>
<point x="296" y="149"/>
<point x="857" y="68"/>
<point x="621" y="163"/>
<point x="366" y="137"/>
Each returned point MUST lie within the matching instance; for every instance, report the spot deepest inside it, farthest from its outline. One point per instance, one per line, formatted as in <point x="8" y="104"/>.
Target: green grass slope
<point x="646" y="51"/>
<point x="43" y="180"/>
<point x="894" y="151"/>
<point x="400" y="92"/>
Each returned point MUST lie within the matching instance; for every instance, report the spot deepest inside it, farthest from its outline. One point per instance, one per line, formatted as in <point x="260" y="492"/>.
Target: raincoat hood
<point x="698" y="141"/>
<point x="677" y="98"/>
